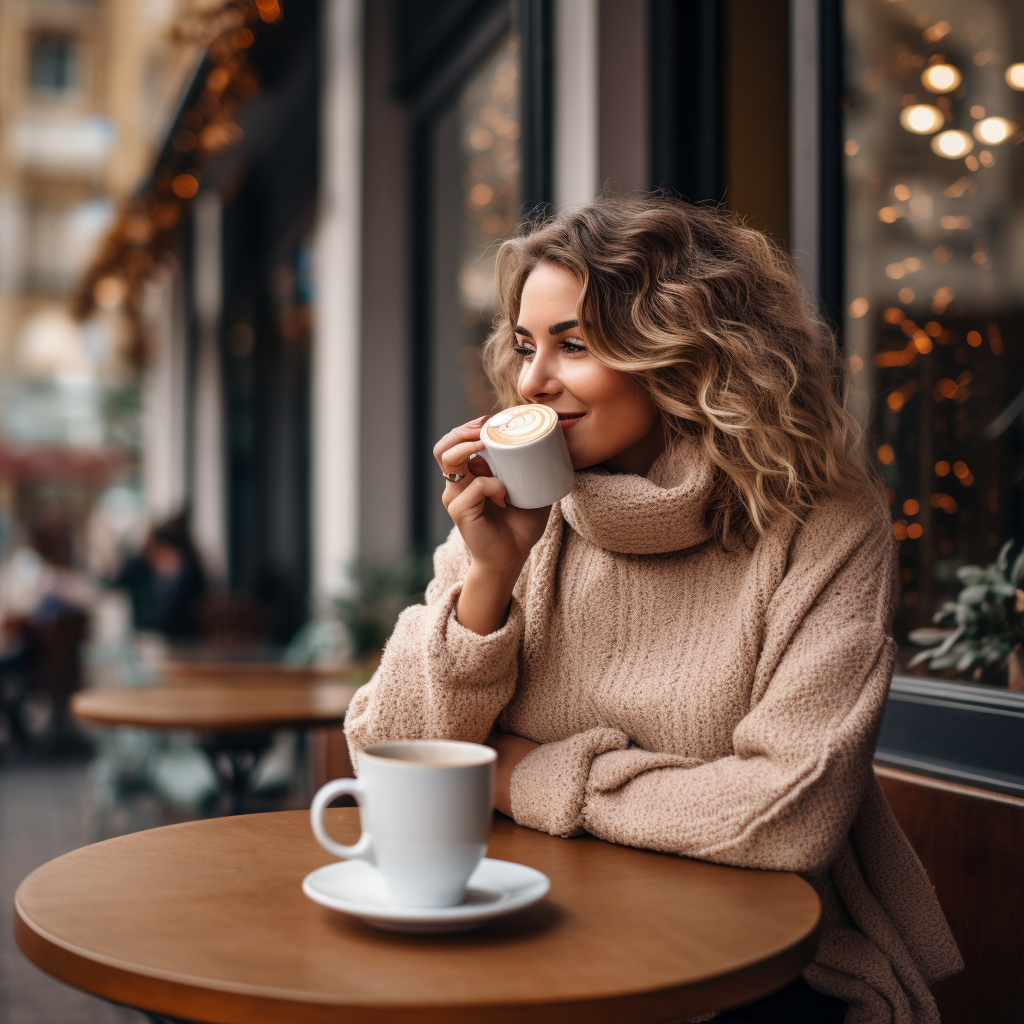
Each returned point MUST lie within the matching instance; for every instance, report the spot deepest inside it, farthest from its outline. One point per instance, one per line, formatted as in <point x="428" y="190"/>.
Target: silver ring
<point x="454" y="477"/>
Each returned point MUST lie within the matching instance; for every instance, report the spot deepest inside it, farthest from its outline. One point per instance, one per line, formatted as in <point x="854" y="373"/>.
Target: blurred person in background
<point x="38" y="584"/>
<point x="165" y="581"/>
<point x="45" y="605"/>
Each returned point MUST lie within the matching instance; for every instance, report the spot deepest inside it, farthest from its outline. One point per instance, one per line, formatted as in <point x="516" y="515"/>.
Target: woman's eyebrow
<point x="565" y="325"/>
<point x="523" y="331"/>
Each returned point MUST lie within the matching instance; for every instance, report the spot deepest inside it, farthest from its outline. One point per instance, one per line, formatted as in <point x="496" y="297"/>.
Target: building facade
<point x="338" y="266"/>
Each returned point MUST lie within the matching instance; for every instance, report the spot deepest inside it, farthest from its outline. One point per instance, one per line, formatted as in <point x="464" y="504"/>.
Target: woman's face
<point x="607" y="417"/>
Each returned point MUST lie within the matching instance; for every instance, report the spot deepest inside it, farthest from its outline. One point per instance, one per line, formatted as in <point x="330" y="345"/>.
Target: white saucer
<point x="496" y="888"/>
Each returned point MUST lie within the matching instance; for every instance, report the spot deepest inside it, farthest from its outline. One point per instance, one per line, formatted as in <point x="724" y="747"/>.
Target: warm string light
<point x="142" y="239"/>
<point x="952" y="144"/>
<point x="989" y="130"/>
<point x="941" y="78"/>
<point x="922" y="118"/>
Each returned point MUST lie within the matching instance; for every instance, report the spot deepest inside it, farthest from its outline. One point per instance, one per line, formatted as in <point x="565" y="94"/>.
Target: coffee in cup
<point x="525" y="449"/>
<point x="426" y="808"/>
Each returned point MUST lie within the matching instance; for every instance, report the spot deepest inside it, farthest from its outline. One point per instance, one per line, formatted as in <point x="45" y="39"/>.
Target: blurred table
<point x="207" y="921"/>
<point x="240" y="715"/>
<point x="204" y="673"/>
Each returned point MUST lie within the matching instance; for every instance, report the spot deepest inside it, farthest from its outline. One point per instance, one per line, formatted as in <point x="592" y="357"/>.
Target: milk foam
<point x="520" y="424"/>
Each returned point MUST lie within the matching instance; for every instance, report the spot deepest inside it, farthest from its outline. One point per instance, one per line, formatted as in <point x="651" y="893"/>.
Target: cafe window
<point x="53" y="65"/>
<point x="474" y="201"/>
<point x="934" y="248"/>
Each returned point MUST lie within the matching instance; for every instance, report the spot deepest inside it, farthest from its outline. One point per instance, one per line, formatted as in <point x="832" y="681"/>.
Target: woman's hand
<point x="511" y="750"/>
<point x="499" y="536"/>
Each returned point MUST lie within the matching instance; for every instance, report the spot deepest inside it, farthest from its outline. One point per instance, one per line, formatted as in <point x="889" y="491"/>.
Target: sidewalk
<point x="44" y="812"/>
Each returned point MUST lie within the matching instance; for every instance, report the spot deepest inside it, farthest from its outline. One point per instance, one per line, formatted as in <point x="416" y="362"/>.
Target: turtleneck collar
<point x="633" y="515"/>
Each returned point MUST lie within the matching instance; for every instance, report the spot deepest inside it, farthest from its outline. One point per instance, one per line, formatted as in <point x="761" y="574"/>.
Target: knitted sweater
<point x="719" y="705"/>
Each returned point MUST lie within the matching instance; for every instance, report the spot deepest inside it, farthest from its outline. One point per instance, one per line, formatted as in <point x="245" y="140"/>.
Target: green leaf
<point x="948" y="643"/>
<point x="1004" y="556"/>
<point x="966" y="660"/>
<point x="926" y="636"/>
<point x="969" y="573"/>
<point x="973" y="594"/>
<point x="1017" y="572"/>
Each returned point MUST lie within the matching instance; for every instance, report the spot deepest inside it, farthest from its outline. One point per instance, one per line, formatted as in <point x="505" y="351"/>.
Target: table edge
<point x="189" y="720"/>
<point x="175" y="994"/>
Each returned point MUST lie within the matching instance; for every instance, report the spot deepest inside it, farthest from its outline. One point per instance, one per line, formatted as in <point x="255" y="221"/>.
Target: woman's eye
<point x="573" y="345"/>
<point x="522" y="350"/>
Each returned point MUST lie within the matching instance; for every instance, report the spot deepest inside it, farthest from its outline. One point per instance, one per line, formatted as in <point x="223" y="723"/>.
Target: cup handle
<point x="363" y="849"/>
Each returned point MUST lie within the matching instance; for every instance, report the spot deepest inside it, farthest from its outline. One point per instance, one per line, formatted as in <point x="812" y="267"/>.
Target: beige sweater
<point x="722" y="706"/>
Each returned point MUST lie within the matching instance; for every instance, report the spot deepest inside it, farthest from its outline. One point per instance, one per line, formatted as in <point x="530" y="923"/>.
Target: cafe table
<point x="237" y="716"/>
<point x="206" y="921"/>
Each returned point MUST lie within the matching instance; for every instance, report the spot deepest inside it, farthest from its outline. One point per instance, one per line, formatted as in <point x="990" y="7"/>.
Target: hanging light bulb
<point x="952" y="144"/>
<point x="940" y="78"/>
<point x="1015" y="77"/>
<point x="993" y="130"/>
<point x="922" y="118"/>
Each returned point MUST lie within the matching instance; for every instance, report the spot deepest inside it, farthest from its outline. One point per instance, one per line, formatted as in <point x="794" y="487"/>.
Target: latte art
<point x="520" y="425"/>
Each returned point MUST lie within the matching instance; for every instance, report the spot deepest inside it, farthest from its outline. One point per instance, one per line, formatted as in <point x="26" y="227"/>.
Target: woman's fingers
<point x="467" y="432"/>
<point x="469" y="499"/>
<point x="456" y="459"/>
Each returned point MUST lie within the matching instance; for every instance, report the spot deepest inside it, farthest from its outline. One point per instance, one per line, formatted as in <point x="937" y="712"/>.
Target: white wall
<point x="208" y="469"/>
<point x="336" y="331"/>
<point x="805" y="140"/>
<point x="163" y="401"/>
<point x="576" y="102"/>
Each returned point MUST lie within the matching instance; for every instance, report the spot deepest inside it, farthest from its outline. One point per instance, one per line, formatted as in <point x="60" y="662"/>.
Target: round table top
<point x="207" y="921"/>
<point x="184" y="673"/>
<point x="223" y="707"/>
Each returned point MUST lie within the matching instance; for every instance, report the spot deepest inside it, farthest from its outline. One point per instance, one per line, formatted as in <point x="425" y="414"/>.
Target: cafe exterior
<point x="334" y="284"/>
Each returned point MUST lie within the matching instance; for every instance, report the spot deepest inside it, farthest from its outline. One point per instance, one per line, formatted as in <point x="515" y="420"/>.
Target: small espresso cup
<point x="425" y="807"/>
<point x="525" y="449"/>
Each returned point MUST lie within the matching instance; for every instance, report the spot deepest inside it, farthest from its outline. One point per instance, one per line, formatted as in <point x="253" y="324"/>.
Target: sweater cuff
<point x="467" y="657"/>
<point x="549" y="784"/>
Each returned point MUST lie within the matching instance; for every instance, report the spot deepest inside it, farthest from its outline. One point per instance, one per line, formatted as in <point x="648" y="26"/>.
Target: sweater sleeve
<point x="787" y="794"/>
<point x="437" y="679"/>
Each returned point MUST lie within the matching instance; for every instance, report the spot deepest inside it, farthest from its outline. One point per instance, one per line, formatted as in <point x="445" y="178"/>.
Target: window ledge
<point x="960" y="732"/>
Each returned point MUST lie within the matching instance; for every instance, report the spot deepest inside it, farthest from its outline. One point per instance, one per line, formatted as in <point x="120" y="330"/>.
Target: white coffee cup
<point x="525" y="449"/>
<point x="426" y="808"/>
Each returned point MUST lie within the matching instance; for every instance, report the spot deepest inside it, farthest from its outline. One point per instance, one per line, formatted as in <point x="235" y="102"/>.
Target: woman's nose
<point x="538" y="379"/>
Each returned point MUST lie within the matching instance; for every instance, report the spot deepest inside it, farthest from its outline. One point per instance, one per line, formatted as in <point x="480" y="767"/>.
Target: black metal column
<point x="686" y="98"/>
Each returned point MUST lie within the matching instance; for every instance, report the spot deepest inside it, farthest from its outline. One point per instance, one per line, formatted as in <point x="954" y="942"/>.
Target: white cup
<point x="425" y="807"/>
<point x="525" y="448"/>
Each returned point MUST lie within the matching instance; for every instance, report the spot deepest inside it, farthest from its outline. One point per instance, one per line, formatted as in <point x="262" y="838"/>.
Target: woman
<point x="691" y="652"/>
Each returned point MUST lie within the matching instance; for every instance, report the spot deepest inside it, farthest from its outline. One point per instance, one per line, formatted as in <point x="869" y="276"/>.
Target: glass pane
<point x="52" y="64"/>
<point x="475" y="201"/>
<point x="935" y="284"/>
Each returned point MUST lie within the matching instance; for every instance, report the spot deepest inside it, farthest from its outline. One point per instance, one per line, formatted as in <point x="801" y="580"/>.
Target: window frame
<point x="430" y="72"/>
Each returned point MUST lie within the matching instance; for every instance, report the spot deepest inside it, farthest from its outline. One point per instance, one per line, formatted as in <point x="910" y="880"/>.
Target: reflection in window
<point x="52" y="65"/>
<point x="935" y="278"/>
<point x="475" y="203"/>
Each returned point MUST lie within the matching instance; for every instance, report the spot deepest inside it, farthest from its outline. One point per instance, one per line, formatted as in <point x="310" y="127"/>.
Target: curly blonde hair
<point x="710" y="318"/>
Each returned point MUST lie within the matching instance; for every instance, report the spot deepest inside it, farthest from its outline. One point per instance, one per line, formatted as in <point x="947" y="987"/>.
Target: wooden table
<point x="230" y="707"/>
<point x="246" y="711"/>
<point x="185" y="673"/>
<point x="207" y="921"/>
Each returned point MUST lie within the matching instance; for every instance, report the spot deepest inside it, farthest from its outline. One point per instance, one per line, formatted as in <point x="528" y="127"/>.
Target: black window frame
<point x="439" y="45"/>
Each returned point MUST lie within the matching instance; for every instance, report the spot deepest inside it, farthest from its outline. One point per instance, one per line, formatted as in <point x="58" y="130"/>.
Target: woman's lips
<point x="567" y="420"/>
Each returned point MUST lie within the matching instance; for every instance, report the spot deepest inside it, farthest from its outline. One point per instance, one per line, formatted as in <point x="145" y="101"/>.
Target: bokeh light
<point x="941" y="78"/>
<point x="993" y="130"/>
<point x="952" y="144"/>
<point x="922" y="118"/>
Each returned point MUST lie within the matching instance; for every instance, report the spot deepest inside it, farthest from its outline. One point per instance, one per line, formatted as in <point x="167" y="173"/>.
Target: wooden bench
<point x="972" y="845"/>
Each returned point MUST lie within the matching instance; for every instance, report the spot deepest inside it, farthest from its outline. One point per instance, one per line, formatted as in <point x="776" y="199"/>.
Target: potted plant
<point x="982" y="631"/>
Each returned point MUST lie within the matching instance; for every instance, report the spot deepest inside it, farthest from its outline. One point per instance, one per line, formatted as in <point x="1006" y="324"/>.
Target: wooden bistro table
<point x="237" y="716"/>
<point x="206" y="921"/>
